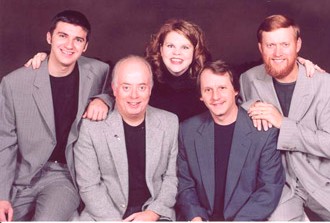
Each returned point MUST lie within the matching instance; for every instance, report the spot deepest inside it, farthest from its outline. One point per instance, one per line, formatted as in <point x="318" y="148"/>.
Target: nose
<point x="134" y="93"/>
<point x="176" y="51"/>
<point x="278" y="51"/>
<point x="216" y="95"/>
<point x="69" y="44"/>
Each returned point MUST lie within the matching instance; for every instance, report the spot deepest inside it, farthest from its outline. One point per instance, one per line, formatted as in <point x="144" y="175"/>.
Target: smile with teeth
<point x="278" y="60"/>
<point x="133" y="104"/>
<point x="67" y="52"/>
<point x="176" y="60"/>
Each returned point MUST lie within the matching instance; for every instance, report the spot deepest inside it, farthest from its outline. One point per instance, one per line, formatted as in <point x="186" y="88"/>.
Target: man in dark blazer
<point x="227" y="170"/>
<point x="39" y="121"/>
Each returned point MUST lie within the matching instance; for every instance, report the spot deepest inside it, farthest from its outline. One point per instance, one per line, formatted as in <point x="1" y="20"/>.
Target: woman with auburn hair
<point x="177" y="52"/>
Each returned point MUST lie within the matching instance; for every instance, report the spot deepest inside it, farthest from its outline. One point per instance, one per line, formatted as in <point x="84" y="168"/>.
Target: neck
<point x="57" y="69"/>
<point x="226" y="119"/>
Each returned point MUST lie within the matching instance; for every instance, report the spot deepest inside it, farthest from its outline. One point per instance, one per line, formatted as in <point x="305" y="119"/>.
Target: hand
<point x="36" y="60"/>
<point x="146" y="215"/>
<point x="97" y="110"/>
<point x="310" y="67"/>
<point x="265" y="112"/>
<point x="6" y="211"/>
<point x="197" y="219"/>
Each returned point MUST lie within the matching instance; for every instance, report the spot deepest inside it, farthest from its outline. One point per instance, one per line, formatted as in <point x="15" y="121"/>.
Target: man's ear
<point x="113" y="90"/>
<point x="85" y="48"/>
<point x="259" y="47"/>
<point x="49" y="38"/>
<point x="299" y="44"/>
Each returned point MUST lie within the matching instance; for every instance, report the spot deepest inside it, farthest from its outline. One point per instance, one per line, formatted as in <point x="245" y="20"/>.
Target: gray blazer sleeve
<point x="8" y="140"/>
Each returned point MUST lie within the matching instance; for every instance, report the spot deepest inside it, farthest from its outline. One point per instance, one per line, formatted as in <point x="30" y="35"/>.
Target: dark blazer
<point x="255" y="176"/>
<point x="27" y="126"/>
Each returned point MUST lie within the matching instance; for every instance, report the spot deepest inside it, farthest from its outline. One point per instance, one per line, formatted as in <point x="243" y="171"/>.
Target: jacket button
<point x="123" y="205"/>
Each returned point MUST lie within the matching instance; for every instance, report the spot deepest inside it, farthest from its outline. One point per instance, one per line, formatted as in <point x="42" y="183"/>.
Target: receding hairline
<point x="130" y="58"/>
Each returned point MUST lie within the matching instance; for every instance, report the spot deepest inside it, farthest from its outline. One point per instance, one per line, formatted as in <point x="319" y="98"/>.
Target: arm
<point x="270" y="182"/>
<point x="100" y="104"/>
<point x="92" y="189"/>
<point x="299" y="136"/>
<point x="98" y="107"/>
<point x="310" y="67"/>
<point x="188" y="205"/>
<point x="8" y="150"/>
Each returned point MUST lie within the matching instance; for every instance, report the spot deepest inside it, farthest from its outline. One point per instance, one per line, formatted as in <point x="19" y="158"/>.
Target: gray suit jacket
<point x="304" y="134"/>
<point x="27" y="128"/>
<point x="255" y="176"/>
<point x="102" y="168"/>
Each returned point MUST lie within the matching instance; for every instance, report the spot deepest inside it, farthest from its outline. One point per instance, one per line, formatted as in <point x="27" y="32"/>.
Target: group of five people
<point x="136" y="162"/>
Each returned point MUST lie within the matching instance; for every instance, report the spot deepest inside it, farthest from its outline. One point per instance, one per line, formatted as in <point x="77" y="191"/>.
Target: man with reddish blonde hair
<point x="299" y="107"/>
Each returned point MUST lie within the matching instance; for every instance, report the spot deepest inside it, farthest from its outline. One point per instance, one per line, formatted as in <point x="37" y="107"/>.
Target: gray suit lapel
<point x="154" y="137"/>
<point x="85" y="84"/>
<point x="42" y="95"/>
<point x="204" y="143"/>
<point x="302" y="95"/>
<point x="265" y="87"/>
<point x="114" y="132"/>
<point x="239" y="150"/>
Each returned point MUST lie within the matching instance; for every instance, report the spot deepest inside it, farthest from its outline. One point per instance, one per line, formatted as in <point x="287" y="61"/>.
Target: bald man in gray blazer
<point x="126" y="164"/>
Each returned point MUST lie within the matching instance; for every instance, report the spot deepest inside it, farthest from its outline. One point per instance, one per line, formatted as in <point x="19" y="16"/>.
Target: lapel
<point x="302" y="95"/>
<point x="239" y="150"/>
<point x="265" y="87"/>
<point x="42" y="95"/>
<point x="204" y="145"/>
<point x="154" y="138"/>
<point x="115" y="137"/>
<point x="85" y="85"/>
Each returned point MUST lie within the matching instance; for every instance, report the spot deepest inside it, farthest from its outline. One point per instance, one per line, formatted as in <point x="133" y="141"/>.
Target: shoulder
<point x="193" y="123"/>
<point x="92" y="64"/>
<point x="254" y="71"/>
<point x="162" y="115"/>
<point x="246" y="122"/>
<point x="22" y="73"/>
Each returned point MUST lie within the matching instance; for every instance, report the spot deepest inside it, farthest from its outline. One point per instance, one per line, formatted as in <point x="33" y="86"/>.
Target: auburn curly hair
<point x="189" y="30"/>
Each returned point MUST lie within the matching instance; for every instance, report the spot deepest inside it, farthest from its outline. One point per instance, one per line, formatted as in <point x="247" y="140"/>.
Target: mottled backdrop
<point x="122" y="27"/>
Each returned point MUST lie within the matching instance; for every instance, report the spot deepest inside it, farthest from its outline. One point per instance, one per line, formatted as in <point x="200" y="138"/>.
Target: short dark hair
<point x="275" y="22"/>
<point x="72" y="17"/>
<point x="221" y="68"/>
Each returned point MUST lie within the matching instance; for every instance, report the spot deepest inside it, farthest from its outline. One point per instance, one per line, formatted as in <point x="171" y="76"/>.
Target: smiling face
<point x="218" y="94"/>
<point x="177" y="53"/>
<point x="132" y="89"/>
<point x="67" y="42"/>
<point x="279" y="50"/>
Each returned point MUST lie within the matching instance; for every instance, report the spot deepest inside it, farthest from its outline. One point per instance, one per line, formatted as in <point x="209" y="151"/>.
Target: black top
<point x="284" y="93"/>
<point x="178" y="95"/>
<point x="138" y="192"/>
<point x="65" y="92"/>
<point x="223" y="136"/>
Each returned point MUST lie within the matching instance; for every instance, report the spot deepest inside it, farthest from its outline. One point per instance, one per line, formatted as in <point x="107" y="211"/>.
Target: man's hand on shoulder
<point x="97" y="110"/>
<point x="6" y="211"/>
<point x="146" y="215"/>
<point x="36" y="60"/>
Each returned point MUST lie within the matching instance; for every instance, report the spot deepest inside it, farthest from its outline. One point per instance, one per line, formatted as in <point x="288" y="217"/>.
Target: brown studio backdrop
<point x="124" y="27"/>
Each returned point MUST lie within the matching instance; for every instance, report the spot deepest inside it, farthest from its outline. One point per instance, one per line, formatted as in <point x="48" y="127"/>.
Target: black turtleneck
<point x="178" y="95"/>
